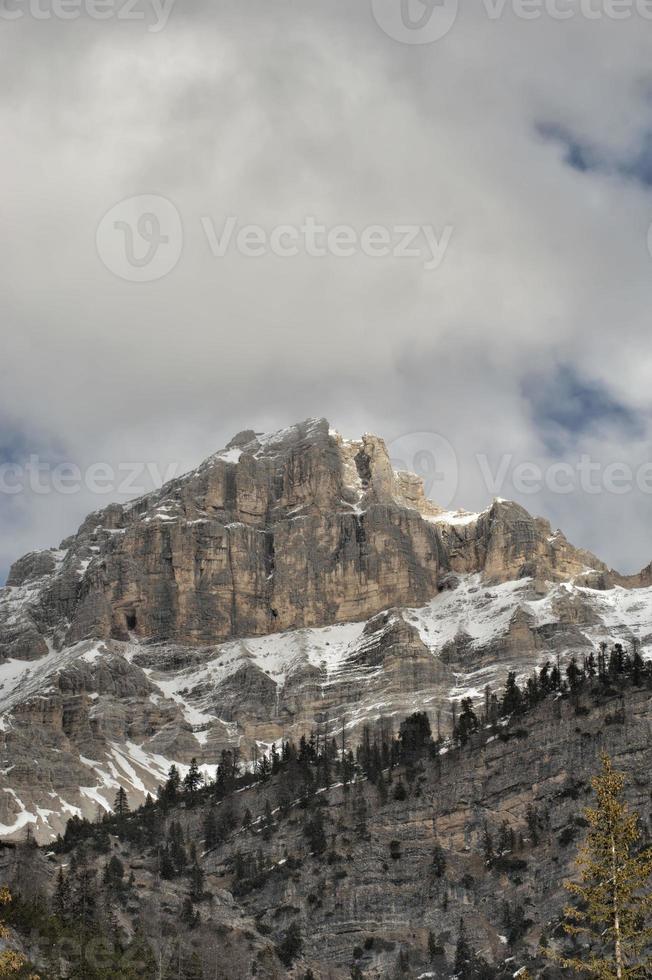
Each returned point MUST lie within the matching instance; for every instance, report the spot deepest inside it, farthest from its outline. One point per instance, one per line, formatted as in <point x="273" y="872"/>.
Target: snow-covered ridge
<point x="478" y="612"/>
<point x="341" y="661"/>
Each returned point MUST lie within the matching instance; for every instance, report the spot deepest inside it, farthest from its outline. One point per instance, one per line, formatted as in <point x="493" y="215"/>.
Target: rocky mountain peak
<point x="289" y="580"/>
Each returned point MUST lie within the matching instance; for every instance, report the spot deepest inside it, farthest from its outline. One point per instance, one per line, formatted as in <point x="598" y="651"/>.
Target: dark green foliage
<point x="211" y="834"/>
<point x="114" y="874"/>
<point x="314" y="831"/>
<point x="415" y="736"/>
<point x="291" y="944"/>
<point x="192" y="780"/>
<point x="189" y="916"/>
<point x="468" y="965"/>
<point x="121" y="804"/>
<point x="467" y="723"/>
<point x="435" y="948"/>
<point x="400" y="792"/>
<point x="515" y="922"/>
<point x="438" y="861"/>
<point x="513" y="701"/>
<point x="196" y="878"/>
<point x="169" y="794"/>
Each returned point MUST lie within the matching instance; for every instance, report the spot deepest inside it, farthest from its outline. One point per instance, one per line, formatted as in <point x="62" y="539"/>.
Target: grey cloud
<point x="275" y="112"/>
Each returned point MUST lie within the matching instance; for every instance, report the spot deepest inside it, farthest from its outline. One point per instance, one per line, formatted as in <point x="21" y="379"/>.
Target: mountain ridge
<point x="290" y="581"/>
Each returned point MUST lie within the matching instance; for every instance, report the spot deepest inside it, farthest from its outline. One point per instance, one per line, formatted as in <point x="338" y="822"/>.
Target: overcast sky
<point x="524" y="147"/>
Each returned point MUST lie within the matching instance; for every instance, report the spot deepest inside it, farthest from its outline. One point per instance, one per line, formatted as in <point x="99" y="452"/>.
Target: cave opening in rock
<point x="131" y="621"/>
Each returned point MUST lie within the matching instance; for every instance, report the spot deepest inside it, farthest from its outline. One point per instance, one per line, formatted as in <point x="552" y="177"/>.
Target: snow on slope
<point x="482" y="612"/>
<point x="478" y="612"/>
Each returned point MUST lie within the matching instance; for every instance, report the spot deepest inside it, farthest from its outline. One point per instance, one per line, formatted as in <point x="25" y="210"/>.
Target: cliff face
<point x="274" y="533"/>
<point x="297" y="529"/>
<point x="376" y="896"/>
<point x="291" y="580"/>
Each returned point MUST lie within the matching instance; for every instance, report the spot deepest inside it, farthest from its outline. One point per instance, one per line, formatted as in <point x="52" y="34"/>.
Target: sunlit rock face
<point x="293" y="580"/>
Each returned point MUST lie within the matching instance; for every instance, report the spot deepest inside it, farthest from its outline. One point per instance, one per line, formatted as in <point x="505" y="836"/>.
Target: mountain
<point x="291" y="582"/>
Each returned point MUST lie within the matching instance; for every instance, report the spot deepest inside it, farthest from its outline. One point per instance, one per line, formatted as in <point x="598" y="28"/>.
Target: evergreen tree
<point x="268" y="821"/>
<point x="172" y="786"/>
<point x="189" y="916"/>
<point x="114" y="873"/>
<point x="360" y="811"/>
<point x="468" y="965"/>
<point x="574" y="675"/>
<point x="166" y="866"/>
<point x="613" y="893"/>
<point x="314" y="831"/>
<point x="400" y="792"/>
<point x="468" y="721"/>
<point x="193" y="779"/>
<point x="121" y="804"/>
<point x="488" y="847"/>
<point x="513" y="697"/>
<point x="211" y="835"/>
<point x="415" y="735"/>
<point x="196" y="876"/>
<point x="435" y="948"/>
<point x="61" y="900"/>
<point x="533" y="823"/>
<point x="290" y="947"/>
<point x="438" y="861"/>
<point x="463" y="953"/>
<point x="177" y="849"/>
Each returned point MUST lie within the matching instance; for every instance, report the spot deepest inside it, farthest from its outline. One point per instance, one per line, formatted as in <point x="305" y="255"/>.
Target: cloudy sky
<point x="511" y="158"/>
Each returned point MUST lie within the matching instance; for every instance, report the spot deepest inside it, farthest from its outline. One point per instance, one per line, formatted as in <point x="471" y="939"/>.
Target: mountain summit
<point x="292" y="579"/>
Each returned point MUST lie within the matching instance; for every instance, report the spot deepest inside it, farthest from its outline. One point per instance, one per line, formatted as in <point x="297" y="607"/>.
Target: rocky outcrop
<point x="298" y="529"/>
<point x="290" y="581"/>
<point x="400" y="871"/>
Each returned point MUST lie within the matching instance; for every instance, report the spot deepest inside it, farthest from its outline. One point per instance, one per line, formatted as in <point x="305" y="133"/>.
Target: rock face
<point x="292" y="580"/>
<point x="377" y="896"/>
<point x="297" y="529"/>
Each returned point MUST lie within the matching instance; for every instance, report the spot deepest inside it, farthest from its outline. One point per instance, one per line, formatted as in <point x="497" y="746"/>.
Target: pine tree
<point x="488" y="847"/>
<point x="435" y="948"/>
<point x="172" y="786"/>
<point x="314" y="831"/>
<point x="463" y="954"/>
<point x="513" y="697"/>
<point x="211" y="835"/>
<point x="61" y="900"/>
<point x="114" y="873"/>
<point x="121" y="804"/>
<point x="177" y="850"/>
<point x="268" y="821"/>
<point x="196" y="876"/>
<point x="468" y="721"/>
<point x="193" y="778"/>
<point x="613" y="893"/>
<point x="290" y="946"/>
<point x="167" y="869"/>
<point x="468" y="965"/>
<point x="438" y="861"/>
